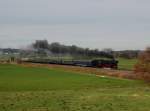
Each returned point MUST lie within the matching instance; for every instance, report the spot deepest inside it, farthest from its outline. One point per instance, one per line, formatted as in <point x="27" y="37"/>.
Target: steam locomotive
<point x="97" y="63"/>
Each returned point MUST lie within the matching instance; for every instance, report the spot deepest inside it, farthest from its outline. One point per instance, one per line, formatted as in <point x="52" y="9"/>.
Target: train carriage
<point x="101" y="63"/>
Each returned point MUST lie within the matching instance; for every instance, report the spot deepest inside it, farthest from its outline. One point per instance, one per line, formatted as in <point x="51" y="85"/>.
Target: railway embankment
<point x="87" y="70"/>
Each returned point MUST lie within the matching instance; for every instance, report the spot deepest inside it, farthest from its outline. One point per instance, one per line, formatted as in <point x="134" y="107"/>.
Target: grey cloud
<point x="90" y="23"/>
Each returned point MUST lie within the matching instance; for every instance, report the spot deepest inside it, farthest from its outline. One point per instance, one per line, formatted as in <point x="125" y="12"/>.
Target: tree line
<point x="57" y="48"/>
<point x="43" y="48"/>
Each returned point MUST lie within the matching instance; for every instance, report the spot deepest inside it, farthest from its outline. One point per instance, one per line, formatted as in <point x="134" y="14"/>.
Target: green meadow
<point x="43" y="89"/>
<point x="126" y="64"/>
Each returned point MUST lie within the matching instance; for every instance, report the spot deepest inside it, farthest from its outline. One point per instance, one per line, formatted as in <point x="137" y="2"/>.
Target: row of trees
<point x="57" y="48"/>
<point x="128" y="54"/>
<point x="44" y="48"/>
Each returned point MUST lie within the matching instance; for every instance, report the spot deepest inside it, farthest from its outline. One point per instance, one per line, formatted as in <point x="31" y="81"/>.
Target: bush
<point x="142" y="68"/>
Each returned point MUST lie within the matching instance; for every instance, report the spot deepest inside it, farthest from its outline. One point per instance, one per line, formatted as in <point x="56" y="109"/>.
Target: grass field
<point x="42" y="89"/>
<point x="126" y="64"/>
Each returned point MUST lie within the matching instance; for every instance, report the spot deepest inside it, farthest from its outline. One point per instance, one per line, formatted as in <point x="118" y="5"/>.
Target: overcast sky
<point x="116" y="24"/>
